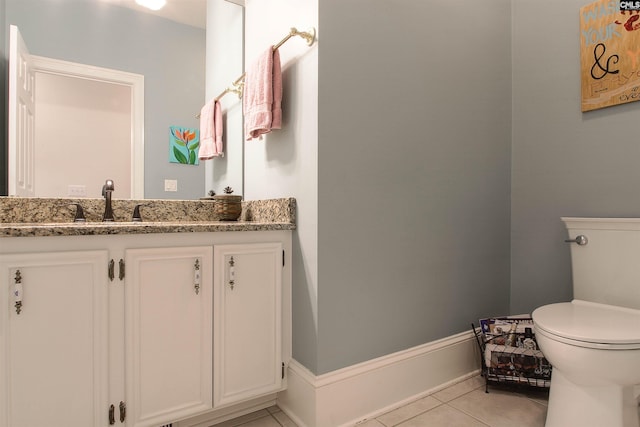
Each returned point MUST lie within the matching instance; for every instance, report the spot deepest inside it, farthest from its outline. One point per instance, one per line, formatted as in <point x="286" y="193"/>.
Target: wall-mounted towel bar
<point x="309" y="36"/>
<point x="238" y="85"/>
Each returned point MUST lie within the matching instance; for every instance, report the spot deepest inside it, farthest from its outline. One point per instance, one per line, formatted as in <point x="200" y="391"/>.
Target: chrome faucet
<point x="107" y="189"/>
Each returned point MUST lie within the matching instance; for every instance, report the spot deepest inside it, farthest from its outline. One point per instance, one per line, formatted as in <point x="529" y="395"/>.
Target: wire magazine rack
<point x="509" y="355"/>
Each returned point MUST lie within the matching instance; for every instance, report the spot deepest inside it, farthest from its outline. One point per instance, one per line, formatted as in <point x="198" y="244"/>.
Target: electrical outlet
<point x="76" y="191"/>
<point x="170" y="185"/>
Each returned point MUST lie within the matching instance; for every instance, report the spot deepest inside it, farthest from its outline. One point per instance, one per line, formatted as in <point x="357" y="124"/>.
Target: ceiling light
<point x="152" y="4"/>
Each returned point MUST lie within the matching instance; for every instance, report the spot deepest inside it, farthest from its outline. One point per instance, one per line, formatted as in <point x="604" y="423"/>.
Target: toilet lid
<point x="590" y="323"/>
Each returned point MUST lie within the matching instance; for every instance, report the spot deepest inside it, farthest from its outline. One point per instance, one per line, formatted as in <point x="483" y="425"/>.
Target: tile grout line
<point x="441" y="402"/>
<point x="460" y="410"/>
<point x="481" y="421"/>
<point x="415" y="416"/>
<point x="469" y="415"/>
<point x="278" y="421"/>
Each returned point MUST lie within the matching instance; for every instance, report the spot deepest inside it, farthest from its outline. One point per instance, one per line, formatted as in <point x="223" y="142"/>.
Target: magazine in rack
<point x="511" y="353"/>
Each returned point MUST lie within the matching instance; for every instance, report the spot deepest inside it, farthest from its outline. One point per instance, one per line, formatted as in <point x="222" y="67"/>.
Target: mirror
<point x="170" y="56"/>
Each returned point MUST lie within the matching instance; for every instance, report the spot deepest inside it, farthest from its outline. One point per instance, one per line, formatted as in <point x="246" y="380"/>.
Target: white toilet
<point x="593" y="342"/>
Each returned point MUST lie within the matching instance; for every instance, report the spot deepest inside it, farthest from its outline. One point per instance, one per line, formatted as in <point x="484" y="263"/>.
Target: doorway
<point x="76" y="131"/>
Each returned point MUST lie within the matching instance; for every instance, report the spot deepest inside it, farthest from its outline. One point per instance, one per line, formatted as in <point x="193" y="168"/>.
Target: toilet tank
<point x="607" y="269"/>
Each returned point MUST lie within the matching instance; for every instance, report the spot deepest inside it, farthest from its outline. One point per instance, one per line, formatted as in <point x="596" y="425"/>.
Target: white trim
<point x="134" y="81"/>
<point x="217" y="416"/>
<point x="351" y="395"/>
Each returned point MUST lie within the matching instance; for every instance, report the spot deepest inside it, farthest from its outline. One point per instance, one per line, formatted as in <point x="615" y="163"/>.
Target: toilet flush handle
<point x="581" y="239"/>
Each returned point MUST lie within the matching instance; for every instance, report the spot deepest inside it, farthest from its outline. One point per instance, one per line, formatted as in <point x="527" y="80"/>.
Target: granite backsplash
<point x="62" y="210"/>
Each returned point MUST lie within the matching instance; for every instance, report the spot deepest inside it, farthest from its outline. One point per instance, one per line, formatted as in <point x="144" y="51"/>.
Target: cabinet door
<point x="247" y="321"/>
<point x="168" y="322"/>
<point x="53" y="347"/>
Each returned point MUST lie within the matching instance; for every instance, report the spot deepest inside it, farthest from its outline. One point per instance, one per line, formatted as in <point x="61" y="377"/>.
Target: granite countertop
<point x="31" y="217"/>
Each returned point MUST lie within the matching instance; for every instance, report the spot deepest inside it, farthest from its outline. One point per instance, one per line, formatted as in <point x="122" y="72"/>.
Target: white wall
<point x="285" y="162"/>
<point x="83" y="135"/>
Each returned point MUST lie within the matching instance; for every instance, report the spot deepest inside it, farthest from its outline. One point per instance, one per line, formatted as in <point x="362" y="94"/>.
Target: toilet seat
<point x="588" y="324"/>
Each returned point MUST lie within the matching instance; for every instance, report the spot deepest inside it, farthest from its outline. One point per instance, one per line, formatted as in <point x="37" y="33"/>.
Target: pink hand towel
<point x="210" y="131"/>
<point x="262" y="97"/>
<point x="276" y="110"/>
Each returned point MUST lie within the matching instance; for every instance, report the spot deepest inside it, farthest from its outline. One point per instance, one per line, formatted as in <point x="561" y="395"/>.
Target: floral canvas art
<point x="183" y="145"/>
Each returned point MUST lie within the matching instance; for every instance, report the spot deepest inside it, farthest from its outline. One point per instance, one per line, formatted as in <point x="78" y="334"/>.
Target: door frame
<point x="42" y="64"/>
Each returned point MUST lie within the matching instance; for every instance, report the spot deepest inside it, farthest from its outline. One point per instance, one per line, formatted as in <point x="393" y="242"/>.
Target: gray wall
<point x="565" y="162"/>
<point x="414" y="173"/>
<point x="171" y="56"/>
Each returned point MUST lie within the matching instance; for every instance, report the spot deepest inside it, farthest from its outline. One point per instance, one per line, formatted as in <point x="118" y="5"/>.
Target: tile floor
<point x="464" y="404"/>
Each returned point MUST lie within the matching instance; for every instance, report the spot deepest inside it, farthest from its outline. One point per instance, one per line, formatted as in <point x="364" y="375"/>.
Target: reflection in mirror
<point x="107" y="131"/>
<point x="170" y="56"/>
<point x="225" y="45"/>
<point x="103" y="117"/>
<point x="87" y="119"/>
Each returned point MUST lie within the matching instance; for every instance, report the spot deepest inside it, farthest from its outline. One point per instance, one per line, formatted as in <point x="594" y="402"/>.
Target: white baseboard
<point x="219" y="415"/>
<point x="353" y="394"/>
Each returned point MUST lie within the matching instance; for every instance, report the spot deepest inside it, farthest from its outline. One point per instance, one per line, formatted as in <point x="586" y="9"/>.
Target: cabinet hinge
<point x="123" y="411"/>
<point x="110" y="270"/>
<point x="282" y="370"/>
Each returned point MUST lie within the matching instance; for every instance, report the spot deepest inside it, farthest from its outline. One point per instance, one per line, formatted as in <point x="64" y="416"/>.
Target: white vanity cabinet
<point x="53" y="339"/>
<point x="248" y="321"/>
<point x="192" y="328"/>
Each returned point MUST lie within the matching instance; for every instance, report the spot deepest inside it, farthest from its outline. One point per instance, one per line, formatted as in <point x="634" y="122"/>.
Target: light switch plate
<point x="76" y="191"/>
<point x="170" y="185"/>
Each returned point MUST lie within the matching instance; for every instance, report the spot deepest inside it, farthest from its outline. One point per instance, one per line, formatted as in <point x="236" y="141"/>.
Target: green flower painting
<point x="183" y="145"/>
